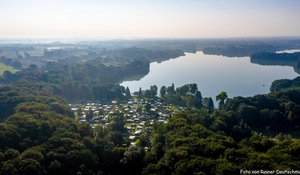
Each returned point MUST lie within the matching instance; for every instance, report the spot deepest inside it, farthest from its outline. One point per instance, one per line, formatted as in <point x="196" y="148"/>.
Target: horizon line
<point x="95" y="39"/>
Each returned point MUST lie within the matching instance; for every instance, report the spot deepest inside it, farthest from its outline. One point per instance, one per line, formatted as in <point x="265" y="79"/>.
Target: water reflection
<point x="213" y="74"/>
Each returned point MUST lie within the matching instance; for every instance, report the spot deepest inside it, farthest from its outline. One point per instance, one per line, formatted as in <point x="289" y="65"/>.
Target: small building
<point x="132" y="137"/>
<point x="138" y="132"/>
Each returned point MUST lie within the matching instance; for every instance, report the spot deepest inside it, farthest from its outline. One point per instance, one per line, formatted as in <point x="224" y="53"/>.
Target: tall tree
<point x="221" y="98"/>
<point x="140" y="93"/>
<point x="127" y="92"/>
<point x="208" y="103"/>
<point x="163" y="91"/>
<point x="193" y="88"/>
<point x="171" y="90"/>
<point x="198" y="99"/>
<point x="153" y="90"/>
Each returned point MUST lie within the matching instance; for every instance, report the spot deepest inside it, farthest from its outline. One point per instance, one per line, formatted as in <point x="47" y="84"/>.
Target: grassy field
<point x="4" y="68"/>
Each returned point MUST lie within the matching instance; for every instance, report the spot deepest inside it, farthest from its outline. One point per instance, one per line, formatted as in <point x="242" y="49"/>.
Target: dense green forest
<point x="279" y="85"/>
<point x="39" y="134"/>
<point x="91" y="80"/>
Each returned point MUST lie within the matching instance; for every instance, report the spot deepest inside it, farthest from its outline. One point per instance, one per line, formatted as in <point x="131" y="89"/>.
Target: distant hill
<point x="238" y="50"/>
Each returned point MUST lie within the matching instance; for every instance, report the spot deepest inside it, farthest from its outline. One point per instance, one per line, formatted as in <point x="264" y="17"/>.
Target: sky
<point x="96" y="19"/>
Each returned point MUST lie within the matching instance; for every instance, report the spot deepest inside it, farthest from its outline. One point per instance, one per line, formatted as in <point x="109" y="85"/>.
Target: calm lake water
<point x="213" y="74"/>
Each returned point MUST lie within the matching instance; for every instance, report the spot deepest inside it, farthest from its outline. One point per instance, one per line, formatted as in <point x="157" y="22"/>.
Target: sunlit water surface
<point x="213" y="74"/>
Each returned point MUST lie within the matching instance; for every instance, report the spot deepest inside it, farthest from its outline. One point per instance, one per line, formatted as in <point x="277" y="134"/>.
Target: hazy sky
<point x="148" y="18"/>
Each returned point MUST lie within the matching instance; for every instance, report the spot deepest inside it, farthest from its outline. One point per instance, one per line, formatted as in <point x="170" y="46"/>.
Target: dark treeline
<point x="283" y="84"/>
<point x="238" y="50"/>
<point x="89" y="81"/>
<point x="135" y="53"/>
<point x="240" y="47"/>
<point x="185" y="96"/>
<point x="92" y="80"/>
<point x="290" y="57"/>
<point x="282" y="59"/>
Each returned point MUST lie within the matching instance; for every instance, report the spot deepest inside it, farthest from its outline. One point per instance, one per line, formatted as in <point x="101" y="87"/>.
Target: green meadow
<point x="4" y="68"/>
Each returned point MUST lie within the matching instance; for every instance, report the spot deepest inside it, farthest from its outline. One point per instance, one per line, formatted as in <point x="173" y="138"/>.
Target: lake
<point x="213" y="74"/>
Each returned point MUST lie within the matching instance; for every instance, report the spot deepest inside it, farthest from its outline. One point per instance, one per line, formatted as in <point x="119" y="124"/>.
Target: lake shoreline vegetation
<point x="64" y="112"/>
<point x="281" y="59"/>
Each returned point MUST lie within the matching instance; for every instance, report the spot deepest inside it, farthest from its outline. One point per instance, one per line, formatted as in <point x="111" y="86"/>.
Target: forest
<point x="39" y="134"/>
<point x="282" y="59"/>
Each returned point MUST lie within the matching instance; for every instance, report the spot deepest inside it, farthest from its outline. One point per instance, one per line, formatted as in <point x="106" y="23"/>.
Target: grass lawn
<point x="4" y="68"/>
